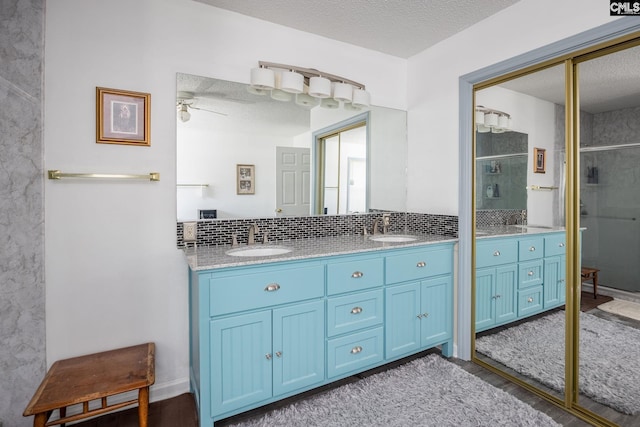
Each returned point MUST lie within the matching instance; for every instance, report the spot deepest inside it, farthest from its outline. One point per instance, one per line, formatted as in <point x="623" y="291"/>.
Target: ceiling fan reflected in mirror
<point x="185" y="103"/>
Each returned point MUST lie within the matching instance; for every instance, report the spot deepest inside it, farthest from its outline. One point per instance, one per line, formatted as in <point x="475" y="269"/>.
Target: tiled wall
<point x="218" y="232"/>
<point x="488" y="218"/>
<point x="22" y="305"/>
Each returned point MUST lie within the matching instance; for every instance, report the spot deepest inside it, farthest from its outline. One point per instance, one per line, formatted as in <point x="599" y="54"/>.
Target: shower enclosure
<point x="610" y="211"/>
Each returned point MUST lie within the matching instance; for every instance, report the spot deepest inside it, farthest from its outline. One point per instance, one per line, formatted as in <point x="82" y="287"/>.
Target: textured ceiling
<point x="400" y="28"/>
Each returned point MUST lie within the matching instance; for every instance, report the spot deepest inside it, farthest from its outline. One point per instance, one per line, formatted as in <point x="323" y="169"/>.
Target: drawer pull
<point x="530" y="273"/>
<point x="278" y="354"/>
<point x="268" y="356"/>
<point x="425" y="315"/>
<point x="498" y="296"/>
<point x="356" y="310"/>
<point x="421" y="264"/>
<point x="357" y="274"/>
<point x="529" y="299"/>
<point x="496" y="253"/>
<point x="419" y="316"/>
<point x="355" y="350"/>
<point x="532" y="249"/>
<point x="272" y="287"/>
<point x="561" y="245"/>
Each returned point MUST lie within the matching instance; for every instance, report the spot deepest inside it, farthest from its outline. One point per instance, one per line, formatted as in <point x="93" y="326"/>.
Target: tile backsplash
<point x="219" y="231"/>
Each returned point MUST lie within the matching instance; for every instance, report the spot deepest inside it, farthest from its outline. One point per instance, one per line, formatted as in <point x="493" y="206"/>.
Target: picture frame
<point x="122" y="117"/>
<point x="245" y="179"/>
<point x="539" y="160"/>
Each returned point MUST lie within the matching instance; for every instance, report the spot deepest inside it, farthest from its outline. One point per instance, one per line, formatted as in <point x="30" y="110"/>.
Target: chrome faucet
<point x="385" y="220"/>
<point x="253" y="229"/>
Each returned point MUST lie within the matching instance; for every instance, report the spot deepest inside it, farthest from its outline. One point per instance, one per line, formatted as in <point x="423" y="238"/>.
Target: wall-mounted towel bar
<point x="56" y="174"/>
<point x="540" y="188"/>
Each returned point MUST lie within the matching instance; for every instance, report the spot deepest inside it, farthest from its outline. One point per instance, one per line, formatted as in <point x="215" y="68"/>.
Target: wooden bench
<point x="588" y="273"/>
<point x="81" y="380"/>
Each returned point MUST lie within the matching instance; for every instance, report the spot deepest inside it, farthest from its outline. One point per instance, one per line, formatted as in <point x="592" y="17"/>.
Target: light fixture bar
<point x="310" y="72"/>
<point x="486" y="110"/>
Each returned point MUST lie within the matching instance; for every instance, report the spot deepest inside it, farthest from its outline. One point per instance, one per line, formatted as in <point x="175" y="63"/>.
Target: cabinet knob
<point x="355" y="350"/>
<point x="272" y="287"/>
<point x="496" y="253"/>
<point x="268" y="356"/>
<point x="498" y="296"/>
<point x="419" y="316"/>
<point x="530" y="273"/>
<point x="356" y="310"/>
<point x="357" y="274"/>
<point x="529" y="299"/>
<point x="424" y="315"/>
<point x="532" y="249"/>
<point x="561" y="245"/>
<point x="278" y="354"/>
<point x="421" y="264"/>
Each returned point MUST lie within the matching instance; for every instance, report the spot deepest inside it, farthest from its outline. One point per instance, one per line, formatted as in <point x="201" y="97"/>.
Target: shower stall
<point x="610" y="212"/>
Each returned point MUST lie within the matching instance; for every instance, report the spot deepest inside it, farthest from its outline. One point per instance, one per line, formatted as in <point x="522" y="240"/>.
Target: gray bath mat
<point x="425" y="392"/>
<point x="609" y="361"/>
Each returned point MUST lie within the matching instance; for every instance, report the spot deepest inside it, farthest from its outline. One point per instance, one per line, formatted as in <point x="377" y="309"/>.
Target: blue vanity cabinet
<point x="496" y="282"/>
<point x="518" y="276"/>
<point x="263" y="332"/>
<point x="257" y="335"/>
<point x="554" y="270"/>
<point x="355" y="305"/>
<point x="419" y="301"/>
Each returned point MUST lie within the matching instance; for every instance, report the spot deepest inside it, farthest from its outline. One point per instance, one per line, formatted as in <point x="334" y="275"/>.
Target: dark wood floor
<point x="181" y="410"/>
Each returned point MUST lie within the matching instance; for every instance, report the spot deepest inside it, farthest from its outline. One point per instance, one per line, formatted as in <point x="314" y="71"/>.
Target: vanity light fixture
<point x="310" y="86"/>
<point x="490" y="120"/>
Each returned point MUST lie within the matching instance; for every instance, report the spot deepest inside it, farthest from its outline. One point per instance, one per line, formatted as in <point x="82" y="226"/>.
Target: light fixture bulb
<point x="329" y="103"/>
<point x="491" y="119"/>
<point x="361" y="98"/>
<point x="292" y="82"/>
<point x="319" y="87"/>
<point x="184" y="114"/>
<point x="263" y="78"/>
<point x="343" y="92"/>
<point x="305" y="100"/>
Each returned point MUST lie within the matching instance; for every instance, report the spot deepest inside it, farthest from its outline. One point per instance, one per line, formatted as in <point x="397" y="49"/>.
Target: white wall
<point x="434" y="78"/>
<point x="113" y="274"/>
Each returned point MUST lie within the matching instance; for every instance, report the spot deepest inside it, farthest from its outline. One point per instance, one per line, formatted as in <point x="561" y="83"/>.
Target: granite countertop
<point x="211" y="257"/>
<point x="514" y="230"/>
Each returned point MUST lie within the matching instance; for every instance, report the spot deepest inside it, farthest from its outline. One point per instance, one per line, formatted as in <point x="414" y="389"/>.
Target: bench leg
<point x="595" y="284"/>
<point x="40" y="420"/>
<point x="143" y="406"/>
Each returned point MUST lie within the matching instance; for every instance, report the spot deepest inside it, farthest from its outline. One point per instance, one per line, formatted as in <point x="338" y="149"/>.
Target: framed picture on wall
<point x="122" y="117"/>
<point x="245" y="179"/>
<point x="539" y="160"/>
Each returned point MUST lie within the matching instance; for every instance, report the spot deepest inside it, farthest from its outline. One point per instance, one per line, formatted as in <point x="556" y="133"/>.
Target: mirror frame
<point x="568" y="51"/>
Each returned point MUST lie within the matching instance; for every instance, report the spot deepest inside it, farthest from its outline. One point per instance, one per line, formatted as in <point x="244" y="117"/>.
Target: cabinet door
<point x="554" y="281"/>
<point x="485" y="307"/>
<point x="505" y="293"/>
<point x="436" y="303"/>
<point x="298" y="346"/>
<point x="402" y="324"/>
<point x="240" y="361"/>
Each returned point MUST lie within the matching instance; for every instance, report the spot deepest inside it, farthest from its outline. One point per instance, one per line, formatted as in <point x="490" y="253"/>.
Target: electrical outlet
<point x="189" y="231"/>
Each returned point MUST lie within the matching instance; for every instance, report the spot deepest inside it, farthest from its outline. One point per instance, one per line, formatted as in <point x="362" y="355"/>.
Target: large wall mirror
<point x="357" y="157"/>
<point x="587" y="184"/>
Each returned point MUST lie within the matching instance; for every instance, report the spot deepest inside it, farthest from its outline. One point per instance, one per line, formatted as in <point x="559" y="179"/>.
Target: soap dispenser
<point x="489" y="191"/>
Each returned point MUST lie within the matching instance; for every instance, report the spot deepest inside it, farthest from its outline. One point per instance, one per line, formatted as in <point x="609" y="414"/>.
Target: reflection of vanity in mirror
<point x="359" y="155"/>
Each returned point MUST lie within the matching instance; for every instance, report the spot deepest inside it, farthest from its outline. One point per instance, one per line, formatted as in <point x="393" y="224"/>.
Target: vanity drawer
<point x="354" y="352"/>
<point x="264" y="288"/>
<point x="354" y="274"/>
<point x="418" y="265"/>
<point x="530" y="274"/>
<point x="352" y="312"/>
<point x="496" y="252"/>
<point x="529" y="249"/>
<point x="555" y="244"/>
<point x="530" y="301"/>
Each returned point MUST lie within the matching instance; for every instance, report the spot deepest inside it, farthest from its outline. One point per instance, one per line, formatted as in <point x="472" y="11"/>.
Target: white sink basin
<point x="259" y="251"/>
<point x="393" y="238"/>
